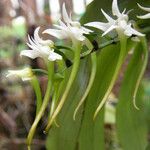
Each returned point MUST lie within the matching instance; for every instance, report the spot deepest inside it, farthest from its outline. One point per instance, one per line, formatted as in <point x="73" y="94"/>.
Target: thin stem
<point x="40" y="71"/>
<point x="123" y="43"/>
<point x="91" y="80"/>
<point x="73" y="74"/>
<point x="44" y="104"/>
<point x="64" y="47"/>
<point x="37" y="89"/>
<point x="108" y="43"/>
<point x="145" y="60"/>
<point x="54" y="99"/>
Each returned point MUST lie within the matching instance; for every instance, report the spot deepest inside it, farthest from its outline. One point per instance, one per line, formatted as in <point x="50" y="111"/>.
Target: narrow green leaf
<point x="92" y="131"/>
<point x="65" y="137"/>
<point x="131" y="126"/>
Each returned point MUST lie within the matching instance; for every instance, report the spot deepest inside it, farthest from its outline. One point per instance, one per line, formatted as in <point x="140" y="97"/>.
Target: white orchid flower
<point x="121" y="24"/>
<point x="40" y="48"/>
<point x="147" y="16"/>
<point x="68" y="28"/>
<point x="25" y="74"/>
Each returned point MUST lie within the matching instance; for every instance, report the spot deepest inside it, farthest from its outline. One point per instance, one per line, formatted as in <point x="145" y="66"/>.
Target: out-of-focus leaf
<point x="92" y="136"/>
<point x="85" y="133"/>
<point x="65" y="137"/>
<point x="131" y="125"/>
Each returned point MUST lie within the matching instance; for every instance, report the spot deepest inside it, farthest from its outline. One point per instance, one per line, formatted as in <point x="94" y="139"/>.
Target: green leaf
<point x="84" y="133"/>
<point x="131" y="125"/>
<point x="65" y="137"/>
<point x="92" y="131"/>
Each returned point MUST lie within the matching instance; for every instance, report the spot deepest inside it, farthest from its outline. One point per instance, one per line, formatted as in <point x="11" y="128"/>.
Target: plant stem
<point x="91" y="80"/>
<point x="123" y="43"/>
<point x="54" y="98"/>
<point x="73" y="74"/>
<point x="36" y="87"/>
<point x="44" y="104"/>
<point x="145" y="60"/>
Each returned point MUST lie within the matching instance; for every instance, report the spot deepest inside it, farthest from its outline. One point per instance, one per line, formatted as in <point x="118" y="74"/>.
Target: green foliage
<point x="131" y="123"/>
<point x="84" y="133"/>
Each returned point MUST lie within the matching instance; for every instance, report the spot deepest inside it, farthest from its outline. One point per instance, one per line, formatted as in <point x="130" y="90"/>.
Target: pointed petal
<point x="130" y="31"/>
<point x="37" y="39"/>
<point x="144" y="8"/>
<point x="115" y="9"/>
<point x="125" y="11"/>
<point x="54" y="56"/>
<point x="109" y="19"/>
<point x="99" y="25"/>
<point x="30" y="53"/>
<point x="33" y="44"/>
<point x="34" y="47"/>
<point x="147" y="16"/>
<point x="65" y="14"/>
<point x="109" y="30"/>
<point x="85" y="30"/>
<point x="36" y="35"/>
<point x="56" y="33"/>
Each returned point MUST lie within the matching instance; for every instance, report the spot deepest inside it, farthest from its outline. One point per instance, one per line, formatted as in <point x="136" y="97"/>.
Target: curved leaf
<point x="131" y="126"/>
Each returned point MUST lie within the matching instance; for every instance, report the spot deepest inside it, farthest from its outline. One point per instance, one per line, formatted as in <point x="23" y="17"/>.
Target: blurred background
<point x="18" y="18"/>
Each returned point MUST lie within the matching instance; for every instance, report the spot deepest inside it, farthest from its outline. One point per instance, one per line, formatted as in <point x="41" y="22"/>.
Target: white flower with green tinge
<point x="68" y="28"/>
<point x="40" y="48"/>
<point x="25" y="74"/>
<point x="147" y="16"/>
<point x="121" y="24"/>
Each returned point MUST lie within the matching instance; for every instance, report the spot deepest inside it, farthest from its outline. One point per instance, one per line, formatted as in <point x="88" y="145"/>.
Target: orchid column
<point x="124" y="29"/>
<point x="74" y="31"/>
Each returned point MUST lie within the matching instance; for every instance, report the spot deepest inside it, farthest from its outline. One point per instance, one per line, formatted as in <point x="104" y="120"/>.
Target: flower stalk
<point x="123" y="51"/>
<point x="91" y="80"/>
<point x="50" y="67"/>
<point x="73" y="74"/>
<point x="145" y="60"/>
<point x="36" y="86"/>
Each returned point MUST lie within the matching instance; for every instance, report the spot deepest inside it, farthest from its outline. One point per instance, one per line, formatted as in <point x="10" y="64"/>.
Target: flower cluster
<point x="68" y="29"/>
<point x="50" y="53"/>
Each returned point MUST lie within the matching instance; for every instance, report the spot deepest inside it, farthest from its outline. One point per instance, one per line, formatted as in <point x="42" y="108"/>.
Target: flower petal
<point x="109" y="29"/>
<point x="57" y="33"/>
<point x="115" y="9"/>
<point x="144" y="8"/>
<point x="30" y="53"/>
<point x="130" y="31"/>
<point x="109" y="19"/>
<point x="54" y="56"/>
<point x="147" y="16"/>
<point x="99" y="25"/>
<point x="40" y="40"/>
<point x="65" y="14"/>
<point x="85" y="30"/>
